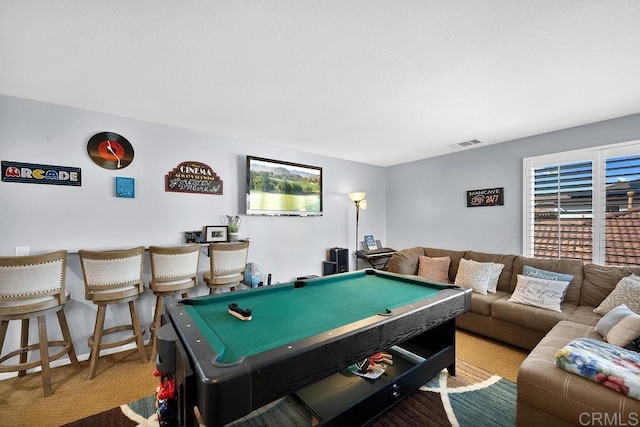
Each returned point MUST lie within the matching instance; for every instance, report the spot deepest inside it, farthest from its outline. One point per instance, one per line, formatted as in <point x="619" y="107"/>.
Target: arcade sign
<point x="32" y="173"/>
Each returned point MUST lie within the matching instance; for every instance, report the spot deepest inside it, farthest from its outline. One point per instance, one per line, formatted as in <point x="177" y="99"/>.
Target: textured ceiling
<point x="380" y="82"/>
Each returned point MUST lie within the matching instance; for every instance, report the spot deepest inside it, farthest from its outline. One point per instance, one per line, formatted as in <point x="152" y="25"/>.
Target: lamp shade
<point x="357" y="196"/>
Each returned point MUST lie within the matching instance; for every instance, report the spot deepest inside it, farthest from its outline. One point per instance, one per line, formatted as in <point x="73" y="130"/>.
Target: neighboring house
<point x="622" y="231"/>
<point x="623" y="237"/>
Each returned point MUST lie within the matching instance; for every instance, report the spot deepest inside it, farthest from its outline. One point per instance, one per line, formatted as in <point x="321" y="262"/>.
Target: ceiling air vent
<point x="465" y="144"/>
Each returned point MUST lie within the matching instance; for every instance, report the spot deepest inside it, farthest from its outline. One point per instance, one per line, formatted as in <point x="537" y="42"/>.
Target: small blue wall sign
<point x="125" y="187"/>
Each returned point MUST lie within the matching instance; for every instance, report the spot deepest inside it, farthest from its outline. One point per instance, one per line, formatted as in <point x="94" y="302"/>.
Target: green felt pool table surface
<point x="283" y="314"/>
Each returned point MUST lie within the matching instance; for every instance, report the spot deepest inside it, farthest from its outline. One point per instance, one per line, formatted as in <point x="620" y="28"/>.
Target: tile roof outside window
<point x="622" y="231"/>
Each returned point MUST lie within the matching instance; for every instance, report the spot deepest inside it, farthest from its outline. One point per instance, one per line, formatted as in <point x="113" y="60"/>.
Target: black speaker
<point x="328" y="268"/>
<point x="341" y="257"/>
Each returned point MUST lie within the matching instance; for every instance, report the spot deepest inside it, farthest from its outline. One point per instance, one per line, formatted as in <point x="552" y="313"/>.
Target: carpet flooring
<point x="121" y="378"/>
<point x="473" y="397"/>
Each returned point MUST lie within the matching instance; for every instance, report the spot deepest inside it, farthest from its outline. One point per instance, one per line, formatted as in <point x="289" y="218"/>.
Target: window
<point x="584" y="205"/>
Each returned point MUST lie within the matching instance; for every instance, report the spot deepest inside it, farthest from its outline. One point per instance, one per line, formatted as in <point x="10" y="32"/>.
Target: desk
<point x="377" y="260"/>
<point x="300" y="335"/>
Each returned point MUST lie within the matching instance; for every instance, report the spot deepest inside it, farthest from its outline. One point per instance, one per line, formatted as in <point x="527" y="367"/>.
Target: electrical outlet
<point x="22" y="250"/>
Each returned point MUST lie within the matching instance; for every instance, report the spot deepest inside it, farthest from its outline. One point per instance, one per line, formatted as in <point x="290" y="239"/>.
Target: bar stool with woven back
<point x="34" y="286"/>
<point x="113" y="277"/>
<point x="227" y="262"/>
<point x="174" y="270"/>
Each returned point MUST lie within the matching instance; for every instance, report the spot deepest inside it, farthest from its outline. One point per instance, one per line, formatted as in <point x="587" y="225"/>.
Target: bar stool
<point x="174" y="270"/>
<point x="33" y="286"/>
<point x="113" y="277"/>
<point x="227" y="262"/>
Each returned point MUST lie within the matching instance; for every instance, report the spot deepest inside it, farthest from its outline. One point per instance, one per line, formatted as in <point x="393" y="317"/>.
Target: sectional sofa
<point x="547" y="394"/>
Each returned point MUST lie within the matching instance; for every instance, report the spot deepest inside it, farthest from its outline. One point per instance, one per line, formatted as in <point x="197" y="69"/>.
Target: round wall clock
<point x="110" y="150"/>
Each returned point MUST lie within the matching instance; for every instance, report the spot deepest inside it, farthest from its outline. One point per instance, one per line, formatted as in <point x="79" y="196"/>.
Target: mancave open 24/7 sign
<point x="486" y="197"/>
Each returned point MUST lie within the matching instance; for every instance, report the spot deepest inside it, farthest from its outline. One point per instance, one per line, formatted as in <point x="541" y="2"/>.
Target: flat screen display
<point x="275" y="187"/>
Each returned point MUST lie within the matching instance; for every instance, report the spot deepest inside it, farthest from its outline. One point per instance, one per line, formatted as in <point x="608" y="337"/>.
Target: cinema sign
<point x="193" y="177"/>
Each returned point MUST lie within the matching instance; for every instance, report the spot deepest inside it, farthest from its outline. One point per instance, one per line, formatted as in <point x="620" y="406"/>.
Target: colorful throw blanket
<point x="604" y="363"/>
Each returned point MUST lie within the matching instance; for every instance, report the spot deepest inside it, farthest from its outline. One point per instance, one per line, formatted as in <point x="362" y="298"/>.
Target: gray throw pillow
<point x="611" y="319"/>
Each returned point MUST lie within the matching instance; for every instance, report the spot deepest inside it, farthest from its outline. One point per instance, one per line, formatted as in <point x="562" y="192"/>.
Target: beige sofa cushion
<point x="504" y="283"/>
<point x="542" y="385"/>
<point x="565" y="266"/>
<point x="537" y="319"/>
<point x="481" y="304"/>
<point x="584" y="314"/>
<point x="600" y="280"/>
<point x="406" y="261"/>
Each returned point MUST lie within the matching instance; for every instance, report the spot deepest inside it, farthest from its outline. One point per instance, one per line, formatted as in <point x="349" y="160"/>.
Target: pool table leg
<point x="452" y="369"/>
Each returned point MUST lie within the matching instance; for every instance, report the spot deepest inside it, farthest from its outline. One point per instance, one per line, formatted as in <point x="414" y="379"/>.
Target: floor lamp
<point x="358" y="198"/>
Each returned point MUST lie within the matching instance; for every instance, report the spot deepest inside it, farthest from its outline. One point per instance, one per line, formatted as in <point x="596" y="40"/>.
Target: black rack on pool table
<point x="221" y="376"/>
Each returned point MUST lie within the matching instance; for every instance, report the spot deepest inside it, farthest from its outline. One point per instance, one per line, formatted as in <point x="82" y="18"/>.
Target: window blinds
<point x="584" y="205"/>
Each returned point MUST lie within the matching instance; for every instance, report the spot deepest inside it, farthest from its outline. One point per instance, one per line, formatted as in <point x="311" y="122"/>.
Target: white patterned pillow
<point x="474" y="275"/>
<point x="496" y="269"/>
<point x="626" y="292"/>
<point x="541" y="293"/>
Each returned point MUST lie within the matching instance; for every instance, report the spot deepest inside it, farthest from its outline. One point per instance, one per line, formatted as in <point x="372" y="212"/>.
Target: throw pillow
<point x="496" y="269"/>
<point x="541" y="293"/>
<point x="626" y="292"/>
<point x="474" y="275"/>
<point x="625" y="331"/>
<point x="544" y="274"/>
<point x="611" y="319"/>
<point x="434" y="268"/>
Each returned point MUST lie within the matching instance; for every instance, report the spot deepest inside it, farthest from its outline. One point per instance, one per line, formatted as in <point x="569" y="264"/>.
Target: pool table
<point x="300" y="333"/>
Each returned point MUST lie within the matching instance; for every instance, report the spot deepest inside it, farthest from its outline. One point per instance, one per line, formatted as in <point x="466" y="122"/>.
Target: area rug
<point x="473" y="397"/>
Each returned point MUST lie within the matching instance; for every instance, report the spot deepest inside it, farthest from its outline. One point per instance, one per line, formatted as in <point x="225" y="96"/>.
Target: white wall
<point x="417" y="203"/>
<point x="49" y="217"/>
<point x="426" y="199"/>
